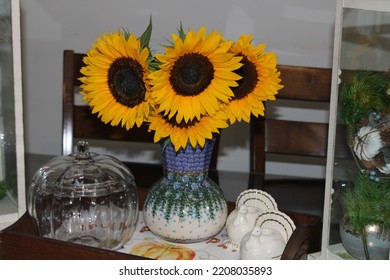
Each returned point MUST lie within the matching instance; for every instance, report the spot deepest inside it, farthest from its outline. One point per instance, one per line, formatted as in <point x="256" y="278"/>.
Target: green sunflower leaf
<point x="166" y="142"/>
<point x="181" y="32"/>
<point x="145" y="37"/>
<point x="126" y="33"/>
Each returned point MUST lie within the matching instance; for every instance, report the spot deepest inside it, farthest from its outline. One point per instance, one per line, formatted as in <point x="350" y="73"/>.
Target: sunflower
<point x="115" y="82"/>
<point x="260" y="80"/>
<point x="195" y="76"/>
<point x="180" y="134"/>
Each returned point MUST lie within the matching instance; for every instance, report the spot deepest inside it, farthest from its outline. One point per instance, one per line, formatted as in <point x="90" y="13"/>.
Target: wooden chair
<point x="80" y="123"/>
<point x="292" y="138"/>
<point x="300" y="139"/>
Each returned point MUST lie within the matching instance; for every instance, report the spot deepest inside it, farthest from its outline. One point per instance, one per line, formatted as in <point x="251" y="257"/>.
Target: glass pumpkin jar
<point x="84" y="198"/>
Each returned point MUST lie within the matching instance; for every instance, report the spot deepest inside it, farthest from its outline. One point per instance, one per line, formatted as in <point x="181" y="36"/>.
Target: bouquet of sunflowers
<point x="201" y="84"/>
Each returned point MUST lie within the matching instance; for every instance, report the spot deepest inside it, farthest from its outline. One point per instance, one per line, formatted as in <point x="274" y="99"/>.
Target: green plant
<point x="365" y="92"/>
<point x="367" y="202"/>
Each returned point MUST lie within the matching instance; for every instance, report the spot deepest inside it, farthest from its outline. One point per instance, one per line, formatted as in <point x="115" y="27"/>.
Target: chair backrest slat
<point x="284" y="138"/>
<point x="301" y="138"/>
<point x="88" y="126"/>
<point x="305" y="83"/>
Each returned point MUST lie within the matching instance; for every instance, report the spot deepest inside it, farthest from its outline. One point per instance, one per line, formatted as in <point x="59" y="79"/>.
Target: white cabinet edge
<point x="18" y="93"/>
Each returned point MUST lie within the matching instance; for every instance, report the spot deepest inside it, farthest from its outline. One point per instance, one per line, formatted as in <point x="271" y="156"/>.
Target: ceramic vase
<point x="373" y="243"/>
<point x="185" y="206"/>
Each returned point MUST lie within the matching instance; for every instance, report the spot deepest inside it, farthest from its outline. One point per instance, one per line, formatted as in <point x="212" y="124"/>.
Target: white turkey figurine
<point x="238" y="224"/>
<point x="262" y="244"/>
<point x="249" y="205"/>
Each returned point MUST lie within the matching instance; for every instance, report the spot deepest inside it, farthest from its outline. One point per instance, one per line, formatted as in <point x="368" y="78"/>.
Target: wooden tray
<point x="21" y="241"/>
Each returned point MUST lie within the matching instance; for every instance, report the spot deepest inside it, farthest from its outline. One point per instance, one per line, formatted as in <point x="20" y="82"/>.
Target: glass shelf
<point x="12" y="183"/>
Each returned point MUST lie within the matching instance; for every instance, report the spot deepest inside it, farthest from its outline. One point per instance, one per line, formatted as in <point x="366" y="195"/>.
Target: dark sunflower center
<point x="191" y="74"/>
<point x="182" y="124"/>
<point x="249" y="79"/>
<point x="125" y="80"/>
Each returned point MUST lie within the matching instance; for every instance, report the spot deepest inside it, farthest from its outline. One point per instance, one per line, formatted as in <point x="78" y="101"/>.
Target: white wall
<point x="300" y="32"/>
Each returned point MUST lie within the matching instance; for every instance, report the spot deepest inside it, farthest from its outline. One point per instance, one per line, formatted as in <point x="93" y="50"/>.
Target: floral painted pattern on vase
<point x="186" y="206"/>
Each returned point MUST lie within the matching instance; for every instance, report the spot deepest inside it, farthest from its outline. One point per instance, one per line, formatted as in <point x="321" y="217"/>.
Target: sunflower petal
<point x="95" y="90"/>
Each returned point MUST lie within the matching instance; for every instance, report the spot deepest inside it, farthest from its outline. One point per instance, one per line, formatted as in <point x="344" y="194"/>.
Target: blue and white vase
<point x="185" y="206"/>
